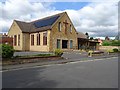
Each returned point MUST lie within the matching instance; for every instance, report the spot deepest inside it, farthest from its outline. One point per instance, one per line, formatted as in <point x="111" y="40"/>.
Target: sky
<point x="99" y="18"/>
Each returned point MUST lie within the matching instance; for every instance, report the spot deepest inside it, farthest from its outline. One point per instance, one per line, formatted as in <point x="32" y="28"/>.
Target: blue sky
<point x="99" y="19"/>
<point x="69" y="5"/>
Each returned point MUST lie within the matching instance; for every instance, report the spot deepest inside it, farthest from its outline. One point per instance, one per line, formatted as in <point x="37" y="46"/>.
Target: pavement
<point x="68" y="57"/>
<point x="98" y="73"/>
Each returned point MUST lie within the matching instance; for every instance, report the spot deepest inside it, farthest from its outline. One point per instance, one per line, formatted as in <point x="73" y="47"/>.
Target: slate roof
<point x="39" y="25"/>
<point x="81" y="35"/>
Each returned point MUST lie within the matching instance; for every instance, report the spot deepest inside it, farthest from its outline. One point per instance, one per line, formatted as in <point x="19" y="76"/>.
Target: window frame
<point x="15" y="40"/>
<point x="71" y="43"/>
<point x="32" y="40"/>
<point x="59" y="26"/>
<point x="58" y="46"/>
<point x="45" y="38"/>
<point x="38" y="38"/>
<point x="18" y="39"/>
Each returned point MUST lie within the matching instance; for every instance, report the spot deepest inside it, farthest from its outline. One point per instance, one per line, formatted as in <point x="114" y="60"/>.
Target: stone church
<point x="46" y="34"/>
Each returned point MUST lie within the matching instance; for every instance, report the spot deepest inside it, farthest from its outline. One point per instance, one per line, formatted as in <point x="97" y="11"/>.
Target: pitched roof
<point x="81" y="35"/>
<point x="25" y="27"/>
<point x="39" y="25"/>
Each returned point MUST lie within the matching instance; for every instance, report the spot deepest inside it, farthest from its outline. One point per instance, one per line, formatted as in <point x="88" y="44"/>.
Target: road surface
<point x="87" y="74"/>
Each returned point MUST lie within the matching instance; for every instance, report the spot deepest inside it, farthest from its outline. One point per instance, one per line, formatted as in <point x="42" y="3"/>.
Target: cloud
<point x="98" y="19"/>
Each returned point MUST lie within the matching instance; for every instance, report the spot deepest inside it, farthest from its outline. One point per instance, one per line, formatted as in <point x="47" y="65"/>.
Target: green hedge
<point x="115" y="50"/>
<point x="7" y="51"/>
<point x="111" y="43"/>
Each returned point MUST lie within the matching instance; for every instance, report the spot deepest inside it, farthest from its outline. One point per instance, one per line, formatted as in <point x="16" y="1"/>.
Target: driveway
<point x="88" y="74"/>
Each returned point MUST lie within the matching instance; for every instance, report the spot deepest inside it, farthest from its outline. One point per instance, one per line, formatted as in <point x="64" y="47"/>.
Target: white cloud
<point x="98" y="19"/>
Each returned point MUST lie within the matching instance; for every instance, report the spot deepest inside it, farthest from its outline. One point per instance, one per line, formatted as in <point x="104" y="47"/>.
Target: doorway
<point x="64" y="44"/>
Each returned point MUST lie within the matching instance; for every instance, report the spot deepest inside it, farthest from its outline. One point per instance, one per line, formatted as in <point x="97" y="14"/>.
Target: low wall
<point x="108" y="47"/>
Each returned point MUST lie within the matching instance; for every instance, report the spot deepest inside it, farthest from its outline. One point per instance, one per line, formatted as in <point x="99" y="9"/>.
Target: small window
<point x="58" y="43"/>
<point x="19" y="40"/>
<point x="45" y="38"/>
<point x="71" y="44"/>
<point x="70" y="28"/>
<point x="15" y="40"/>
<point x="59" y="26"/>
<point x="32" y="39"/>
<point x="38" y="39"/>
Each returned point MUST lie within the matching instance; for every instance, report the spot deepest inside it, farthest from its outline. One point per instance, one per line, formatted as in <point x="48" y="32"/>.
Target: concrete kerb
<point x="50" y="64"/>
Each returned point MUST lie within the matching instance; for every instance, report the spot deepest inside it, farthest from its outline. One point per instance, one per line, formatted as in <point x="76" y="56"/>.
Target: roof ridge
<point x="48" y="17"/>
<point x="20" y="21"/>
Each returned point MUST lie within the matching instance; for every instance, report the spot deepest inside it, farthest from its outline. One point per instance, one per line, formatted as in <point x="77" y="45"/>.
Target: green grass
<point x="37" y="55"/>
<point x="44" y="55"/>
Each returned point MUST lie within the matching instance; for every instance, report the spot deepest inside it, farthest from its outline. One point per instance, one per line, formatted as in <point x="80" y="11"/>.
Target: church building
<point x="46" y="34"/>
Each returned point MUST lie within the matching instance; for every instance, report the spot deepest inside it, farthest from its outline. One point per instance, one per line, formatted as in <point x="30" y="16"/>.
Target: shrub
<point x="7" y="51"/>
<point x="90" y="53"/>
<point x="58" y="52"/>
<point x="106" y="43"/>
<point x="115" y="50"/>
<point x="115" y="43"/>
<point x="110" y="51"/>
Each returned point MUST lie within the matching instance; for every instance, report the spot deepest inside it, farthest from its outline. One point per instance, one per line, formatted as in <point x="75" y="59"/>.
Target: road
<point x="87" y="74"/>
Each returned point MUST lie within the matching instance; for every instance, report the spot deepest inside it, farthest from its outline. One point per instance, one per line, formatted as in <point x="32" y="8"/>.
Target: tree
<point x="107" y="38"/>
<point x="87" y="35"/>
<point x="91" y="38"/>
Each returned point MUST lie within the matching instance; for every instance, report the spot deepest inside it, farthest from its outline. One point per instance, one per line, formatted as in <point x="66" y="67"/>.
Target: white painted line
<point x="1" y="71"/>
<point x="90" y="60"/>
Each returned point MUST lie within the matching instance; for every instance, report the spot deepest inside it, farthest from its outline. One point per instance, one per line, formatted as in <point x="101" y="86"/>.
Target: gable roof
<point x="39" y="25"/>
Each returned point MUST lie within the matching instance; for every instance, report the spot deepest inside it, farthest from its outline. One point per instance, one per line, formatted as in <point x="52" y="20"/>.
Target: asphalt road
<point x="88" y="74"/>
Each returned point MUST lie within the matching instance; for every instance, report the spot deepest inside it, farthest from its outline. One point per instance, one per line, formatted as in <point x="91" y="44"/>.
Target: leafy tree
<point x="91" y="38"/>
<point x="87" y="35"/>
<point x="107" y="38"/>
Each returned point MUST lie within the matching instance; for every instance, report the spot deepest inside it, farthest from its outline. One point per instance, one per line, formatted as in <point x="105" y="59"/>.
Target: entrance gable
<point x="14" y="29"/>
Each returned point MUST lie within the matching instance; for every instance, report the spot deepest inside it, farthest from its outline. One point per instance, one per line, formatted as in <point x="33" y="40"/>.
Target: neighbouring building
<point x="85" y="43"/>
<point x="100" y="41"/>
<point x="45" y="34"/>
<point x="4" y="39"/>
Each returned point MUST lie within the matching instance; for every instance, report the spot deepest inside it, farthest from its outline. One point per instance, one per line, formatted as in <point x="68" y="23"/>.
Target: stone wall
<point x="107" y="47"/>
<point x="61" y="35"/>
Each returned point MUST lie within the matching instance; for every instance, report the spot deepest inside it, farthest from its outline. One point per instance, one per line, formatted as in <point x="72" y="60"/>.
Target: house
<point x="4" y="39"/>
<point x="46" y="34"/>
<point x="100" y="41"/>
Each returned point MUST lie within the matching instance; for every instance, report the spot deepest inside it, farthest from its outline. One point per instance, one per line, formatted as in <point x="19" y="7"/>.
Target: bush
<point x="115" y="50"/>
<point x="7" y="51"/>
<point x="58" y="52"/>
<point x="110" y="51"/>
<point x="90" y="53"/>
<point x="111" y="43"/>
<point x="106" y="43"/>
